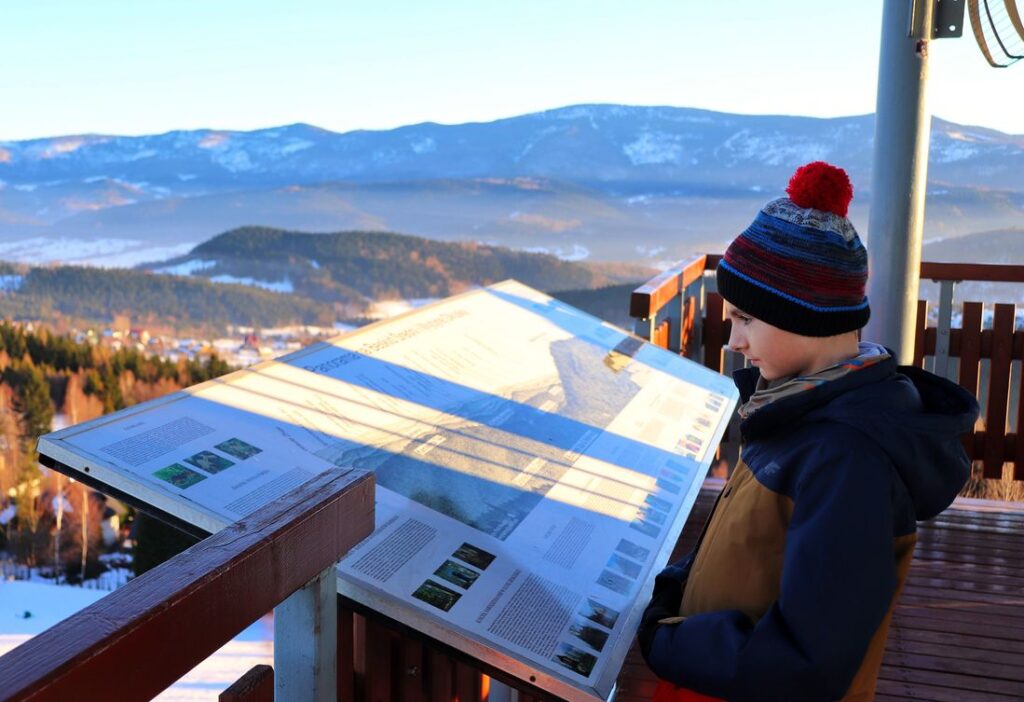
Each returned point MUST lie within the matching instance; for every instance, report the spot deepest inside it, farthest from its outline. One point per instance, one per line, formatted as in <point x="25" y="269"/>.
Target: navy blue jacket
<point x="789" y="593"/>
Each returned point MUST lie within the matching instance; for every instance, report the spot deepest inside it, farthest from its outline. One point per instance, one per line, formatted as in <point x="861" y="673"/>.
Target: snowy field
<point x="47" y="604"/>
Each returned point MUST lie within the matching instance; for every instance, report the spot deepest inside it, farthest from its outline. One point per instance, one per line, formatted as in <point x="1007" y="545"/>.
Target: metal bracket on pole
<point x="947" y="19"/>
<point x="306" y="642"/>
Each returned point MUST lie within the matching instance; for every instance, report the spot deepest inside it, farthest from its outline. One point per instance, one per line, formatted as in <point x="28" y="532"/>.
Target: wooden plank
<point x="978" y="562"/>
<point x="359" y="663"/>
<point x="971" y="567"/>
<point x="970" y="353"/>
<point x="1018" y="454"/>
<point x="1010" y="688"/>
<point x="650" y="297"/>
<point x="964" y="641"/>
<point x="962" y="577"/>
<point x="661" y="334"/>
<point x="972" y="572"/>
<point x="346" y="649"/>
<point x="440" y="675"/>
<point x="913" y="617"/>
<point x="253" y="564"/>
<point x="998" y="390"/>
<point x="990" y="524"/>
<point x="257" y="685"/>
<point x="715" y="331"/>
<point x="959" y="513"/>
<point x="992" y="272"/>
<point x="985" y="624"/>
<point x="919" y="329"/>
<point x="903" y="690"/>
<point x="1009" y="613"/>
<point x="955" y="666"/>
<point x="952" y="649"/>
<point x="467" y="683"/>
<point x="981" y="541"/>
<point x="380" y="662"/>
<point x="687" y="328"/>
<point x="410" y="670"/>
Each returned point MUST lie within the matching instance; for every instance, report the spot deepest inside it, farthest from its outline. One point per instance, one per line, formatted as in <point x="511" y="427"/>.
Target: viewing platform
<point x="957" y="634"/>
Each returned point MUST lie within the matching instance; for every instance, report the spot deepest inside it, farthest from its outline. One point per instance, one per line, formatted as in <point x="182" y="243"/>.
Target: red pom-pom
<point x="821" y="186"/>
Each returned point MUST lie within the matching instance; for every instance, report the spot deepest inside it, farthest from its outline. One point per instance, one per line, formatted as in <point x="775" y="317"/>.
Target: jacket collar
<point x="785" y="410"/>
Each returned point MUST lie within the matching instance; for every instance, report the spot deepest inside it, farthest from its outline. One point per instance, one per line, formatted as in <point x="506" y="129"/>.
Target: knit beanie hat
<point x="800" y="266"/>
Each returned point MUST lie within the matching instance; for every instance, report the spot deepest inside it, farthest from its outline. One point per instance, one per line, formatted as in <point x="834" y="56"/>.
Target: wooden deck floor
<point x="958" y="630"/>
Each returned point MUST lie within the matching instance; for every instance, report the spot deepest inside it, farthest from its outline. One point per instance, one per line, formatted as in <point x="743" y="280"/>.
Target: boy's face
<point x="778" y="353"/>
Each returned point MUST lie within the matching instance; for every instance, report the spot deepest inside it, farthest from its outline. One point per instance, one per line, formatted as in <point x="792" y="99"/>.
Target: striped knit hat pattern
<point x="800" y="266"/>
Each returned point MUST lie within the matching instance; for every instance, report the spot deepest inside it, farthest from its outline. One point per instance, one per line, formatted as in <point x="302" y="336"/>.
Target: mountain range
<point x="600" y="182"/>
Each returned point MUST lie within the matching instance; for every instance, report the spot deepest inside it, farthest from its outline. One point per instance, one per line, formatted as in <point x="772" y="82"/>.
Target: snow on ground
<point x="187" y="268"/>
<point x="49" y="604"/>
<point x="385" y="309"/>
<point x="10" y="283"/>
<point x="578" y="252"/>
<point x="107" y="253"/>
<point x="281" y="286"/>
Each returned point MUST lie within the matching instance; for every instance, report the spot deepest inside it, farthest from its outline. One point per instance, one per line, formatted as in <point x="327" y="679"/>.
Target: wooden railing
<point x="141" y="638"/>
<point x="680" y="310"/>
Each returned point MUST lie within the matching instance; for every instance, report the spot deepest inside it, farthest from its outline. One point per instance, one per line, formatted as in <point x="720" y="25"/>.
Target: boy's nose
<point x="736" y="341"/>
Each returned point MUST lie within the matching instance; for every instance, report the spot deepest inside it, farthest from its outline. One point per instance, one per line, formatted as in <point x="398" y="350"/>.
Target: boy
<point x="789" y="592"/>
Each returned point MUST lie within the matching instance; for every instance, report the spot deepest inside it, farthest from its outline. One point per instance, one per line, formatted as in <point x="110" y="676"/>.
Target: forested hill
<point x="264" y="277"/>
<point x="356" y="265"/>
<point x="75" y="293"/>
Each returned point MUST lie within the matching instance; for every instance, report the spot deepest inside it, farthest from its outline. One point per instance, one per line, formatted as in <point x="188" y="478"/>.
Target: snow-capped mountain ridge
<point x="569" y="179"/>
<point x="594" y="143"/>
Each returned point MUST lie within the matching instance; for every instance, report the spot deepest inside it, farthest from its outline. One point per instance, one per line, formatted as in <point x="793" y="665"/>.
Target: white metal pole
<point x="899" y="175"/>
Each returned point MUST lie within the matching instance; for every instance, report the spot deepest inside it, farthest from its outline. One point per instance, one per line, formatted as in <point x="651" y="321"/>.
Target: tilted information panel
<point x="534" y="469"/>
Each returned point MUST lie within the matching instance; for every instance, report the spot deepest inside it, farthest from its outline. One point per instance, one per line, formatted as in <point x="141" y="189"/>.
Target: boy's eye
<point x="743" y="318"/>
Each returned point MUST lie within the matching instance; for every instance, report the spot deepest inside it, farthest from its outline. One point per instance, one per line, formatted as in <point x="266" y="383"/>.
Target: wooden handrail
<point x="650" y="297"/>
<point x="141" y="638"/>
<point x="988" y="272"/>
<point x="691" y="320"/>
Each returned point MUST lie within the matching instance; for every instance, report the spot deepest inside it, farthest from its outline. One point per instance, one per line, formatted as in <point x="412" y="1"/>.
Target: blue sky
<point x="75" y="66"/>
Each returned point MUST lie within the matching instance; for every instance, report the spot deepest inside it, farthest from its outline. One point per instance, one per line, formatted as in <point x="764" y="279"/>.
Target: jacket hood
<point x="916" y="417"/>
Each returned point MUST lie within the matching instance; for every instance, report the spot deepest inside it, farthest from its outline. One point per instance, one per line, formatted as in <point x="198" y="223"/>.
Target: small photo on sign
<point x="633" y="550"/>
<point x="575" y="659"/>
<point x="614" y="581"/>
<point x="457" y="574"/>
<point x="651" y="515"/>
<point x="476" y="557"/>
<point x="238" y="448"/>
<point x="658" y="503"/>
<point x="209" y="461"/>
<point x="599" y="613"/>
<point x="179" y="476"/>
<point x="645" y="528"/>
<point x="589" y="634"/>
<point x="436" y="595"/>
<point x="676" y="467"/>
<point x="668" y="486"/>
<point x="624" y="566"/>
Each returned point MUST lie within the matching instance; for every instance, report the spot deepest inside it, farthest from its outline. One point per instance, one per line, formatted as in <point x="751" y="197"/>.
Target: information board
<point x="534" y="468"/>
